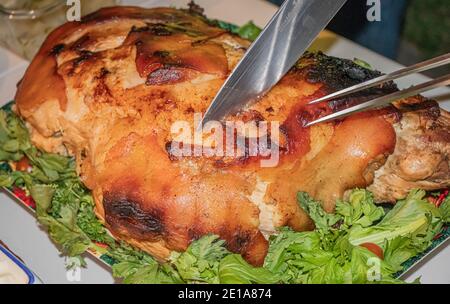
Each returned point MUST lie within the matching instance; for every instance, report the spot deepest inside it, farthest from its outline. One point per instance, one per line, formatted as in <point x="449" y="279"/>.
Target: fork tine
<point x="384" y="100"/>
<point x="416" y="68"/>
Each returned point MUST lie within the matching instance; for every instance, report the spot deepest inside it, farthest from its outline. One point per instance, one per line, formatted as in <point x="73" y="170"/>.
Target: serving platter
<point x="228" y="10"/>
<point x="23" y="198"/>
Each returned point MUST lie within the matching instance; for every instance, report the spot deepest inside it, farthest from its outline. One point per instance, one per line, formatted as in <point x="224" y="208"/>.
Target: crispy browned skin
<point x="108" y="89"/>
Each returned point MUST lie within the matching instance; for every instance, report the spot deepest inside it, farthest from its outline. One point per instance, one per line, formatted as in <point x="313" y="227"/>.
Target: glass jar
<point x="24" y="24"/>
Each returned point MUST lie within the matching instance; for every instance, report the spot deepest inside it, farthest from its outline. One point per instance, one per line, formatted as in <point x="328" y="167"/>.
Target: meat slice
<point x="421" y="157"/>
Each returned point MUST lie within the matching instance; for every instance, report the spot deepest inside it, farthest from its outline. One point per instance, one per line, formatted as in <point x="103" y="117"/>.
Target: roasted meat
<point x="108" y="89"/>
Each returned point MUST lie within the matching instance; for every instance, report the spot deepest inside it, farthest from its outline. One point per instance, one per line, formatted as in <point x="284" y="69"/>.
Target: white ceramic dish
<point x="14" y="271"/>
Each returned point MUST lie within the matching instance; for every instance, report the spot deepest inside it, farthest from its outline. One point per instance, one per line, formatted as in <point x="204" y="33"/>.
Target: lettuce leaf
<point x="332" y="253"/>
<point x="62" y="230"/>
<point x="233" y="269"/>
<point x="360" y="209"/>
<point x="200" y="262"/>
<point x="301" y="258"/>
<point x="148" y="274"/>
<point x="322" y="220"/>
<point x="63" y="204"/>
<point x="248" y="31"/>
<point x="205" y="261"/>
<point x="445" y="210"/>
<point x="292" y="255"/>
<point x="413" y="217"/>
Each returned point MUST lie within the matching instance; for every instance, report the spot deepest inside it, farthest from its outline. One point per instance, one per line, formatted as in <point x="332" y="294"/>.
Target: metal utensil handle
<point x="384" y="100"/>
<point x="416" y="68"/>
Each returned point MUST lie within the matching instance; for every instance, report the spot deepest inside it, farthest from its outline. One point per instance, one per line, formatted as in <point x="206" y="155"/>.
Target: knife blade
<point x="282" y="42"/>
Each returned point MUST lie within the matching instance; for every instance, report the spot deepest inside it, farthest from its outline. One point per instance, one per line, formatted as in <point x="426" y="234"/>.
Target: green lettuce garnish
<point x="332" y="253"/>
<point x="445" y="210"/>
<point x="337" y="256"/>
<point x="362" y="63"/>
<point x="233" y="269"/>
<point x="248" y="31"/>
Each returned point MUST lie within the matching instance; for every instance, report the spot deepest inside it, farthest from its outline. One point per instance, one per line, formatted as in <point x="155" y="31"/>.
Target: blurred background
<point x="409" y="31"/>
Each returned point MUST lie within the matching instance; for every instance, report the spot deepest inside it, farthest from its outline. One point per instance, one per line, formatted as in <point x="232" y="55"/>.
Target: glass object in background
<point x="24" y="24"/>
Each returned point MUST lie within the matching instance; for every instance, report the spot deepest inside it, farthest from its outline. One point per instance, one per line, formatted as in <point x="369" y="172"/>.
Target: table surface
<point x="19" y="229"/>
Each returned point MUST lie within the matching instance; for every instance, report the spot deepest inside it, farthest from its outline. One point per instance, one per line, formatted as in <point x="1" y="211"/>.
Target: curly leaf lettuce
<point x="360" y="209"/>
<point x="200" y="262"/>
<point x="248" y="31"/>
<point x="63" y="230"/>
<point x="402" y="233"/>
<point x="413" y="217"/>
<point x="445" y="209"/>
<point x="323" y="221"/>
<point x="63" y="204"/>
<point x="233" y="269"/>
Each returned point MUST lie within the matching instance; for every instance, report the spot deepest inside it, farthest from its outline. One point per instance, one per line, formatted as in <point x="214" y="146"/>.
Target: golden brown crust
<point x="116" y="82"/>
